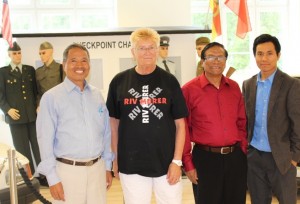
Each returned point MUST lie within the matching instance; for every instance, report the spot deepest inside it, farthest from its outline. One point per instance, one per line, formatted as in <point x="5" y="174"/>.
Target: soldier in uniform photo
<point x="50" y="74"/>
<point x="201" y="42"/>
<point x="163" y="61"/>
<point x="18" y="102"/>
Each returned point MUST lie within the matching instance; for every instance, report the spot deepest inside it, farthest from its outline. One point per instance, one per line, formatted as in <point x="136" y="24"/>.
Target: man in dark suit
<point x="162" y="60"/>
<point x="272" y="101"/>
<point x="18" y="103"/>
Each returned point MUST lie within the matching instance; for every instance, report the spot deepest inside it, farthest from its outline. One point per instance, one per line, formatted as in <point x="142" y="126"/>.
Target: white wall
<point x="5" y="136"/>
<point x="149" y="13"/>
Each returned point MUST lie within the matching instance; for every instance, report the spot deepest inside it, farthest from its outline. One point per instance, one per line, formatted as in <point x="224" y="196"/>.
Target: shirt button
<point x="24" y="97"/>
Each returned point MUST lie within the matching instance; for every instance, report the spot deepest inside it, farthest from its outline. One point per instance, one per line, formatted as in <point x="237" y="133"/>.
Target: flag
<point x="6" y="27"/>
<point x="216" y="22"/>
<point x="240" y="8"/>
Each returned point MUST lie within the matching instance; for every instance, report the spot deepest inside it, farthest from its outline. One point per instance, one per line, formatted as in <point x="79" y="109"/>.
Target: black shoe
<point x="43" y="181"/>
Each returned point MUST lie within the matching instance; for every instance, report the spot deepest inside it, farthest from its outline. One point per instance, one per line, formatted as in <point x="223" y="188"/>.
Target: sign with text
<point x="112" y="54"/>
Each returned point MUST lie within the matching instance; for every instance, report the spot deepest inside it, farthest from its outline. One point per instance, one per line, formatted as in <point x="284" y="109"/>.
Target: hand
<point x="37" y="109"/>
<point x="116" y="169"/>
<point x="192" y="175"/>
<point x="108" y="180"/>
<point x="294" y="163"/>
<point x="57" y="191"/>
<point x="174" y="174"/>
<point x="14" y="114"/>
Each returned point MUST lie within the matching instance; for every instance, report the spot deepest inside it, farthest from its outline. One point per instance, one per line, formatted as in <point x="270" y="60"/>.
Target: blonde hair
<point x="144" y="33"/>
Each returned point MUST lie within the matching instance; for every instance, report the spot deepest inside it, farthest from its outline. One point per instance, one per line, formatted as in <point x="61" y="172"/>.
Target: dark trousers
<point x="195" y="191"/>
<point x="23" y="136"/>
<point x="264" y="179"/>
<point x="222" y="178"/>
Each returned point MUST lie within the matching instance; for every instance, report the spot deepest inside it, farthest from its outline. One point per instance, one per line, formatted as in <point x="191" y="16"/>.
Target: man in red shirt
<point x="217" y="126"/>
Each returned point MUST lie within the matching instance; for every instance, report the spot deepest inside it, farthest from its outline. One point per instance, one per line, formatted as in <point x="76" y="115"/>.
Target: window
<point x="276" y="17"/>
<point x="44" y="16"/>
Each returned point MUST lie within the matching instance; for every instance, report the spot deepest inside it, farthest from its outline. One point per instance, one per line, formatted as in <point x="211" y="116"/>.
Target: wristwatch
<point x="177" y="162"/>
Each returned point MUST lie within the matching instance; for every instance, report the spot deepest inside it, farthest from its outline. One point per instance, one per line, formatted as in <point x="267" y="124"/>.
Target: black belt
<point x="220" y="150"/>
<point x="78" y="163"/>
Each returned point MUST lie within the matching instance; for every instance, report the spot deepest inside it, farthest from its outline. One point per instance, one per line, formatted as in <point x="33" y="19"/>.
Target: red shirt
<point x="216" y="116"/>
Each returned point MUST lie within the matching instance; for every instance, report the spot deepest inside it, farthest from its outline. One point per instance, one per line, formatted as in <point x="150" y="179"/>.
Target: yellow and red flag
<point x="216" y="22"/>
<point x="240" y="8"/>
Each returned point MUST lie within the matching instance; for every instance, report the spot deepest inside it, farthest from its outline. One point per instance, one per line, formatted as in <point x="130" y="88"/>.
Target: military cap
<point x="202" y="40"/>
<point x="164" y="41"/>
<point x="45" y="46"/>
<point x="15" y="47"/>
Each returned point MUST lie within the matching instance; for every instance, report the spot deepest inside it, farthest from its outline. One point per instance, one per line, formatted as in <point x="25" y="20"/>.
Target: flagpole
<point x="206" y="26"/>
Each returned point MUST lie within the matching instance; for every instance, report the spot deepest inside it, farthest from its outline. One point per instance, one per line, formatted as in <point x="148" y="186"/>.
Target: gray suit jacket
<point x="283" y="122"/>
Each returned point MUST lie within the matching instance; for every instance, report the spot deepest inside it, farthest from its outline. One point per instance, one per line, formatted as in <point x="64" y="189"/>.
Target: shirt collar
<point x="53" y="61"/>
<point x="161" y="59"/>
<point x="269" y="79"/>
<point x="70" y="86"/>
<point x="13" y="66"/>
<point x="204" y="82"/>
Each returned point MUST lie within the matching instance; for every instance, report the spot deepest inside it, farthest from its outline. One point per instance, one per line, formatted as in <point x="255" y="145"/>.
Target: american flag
<point x="6" y="27"/>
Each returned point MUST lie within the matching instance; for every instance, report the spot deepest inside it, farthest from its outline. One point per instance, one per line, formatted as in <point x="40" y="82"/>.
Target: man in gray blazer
<point x="272" y="101"/>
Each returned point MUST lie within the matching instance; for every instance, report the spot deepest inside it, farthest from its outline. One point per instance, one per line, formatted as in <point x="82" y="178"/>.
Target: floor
<point x="114" y="195"/>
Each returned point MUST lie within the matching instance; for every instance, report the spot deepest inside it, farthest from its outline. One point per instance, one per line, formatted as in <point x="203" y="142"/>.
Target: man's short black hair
<point x="263" y="38"/>
<point x="210" y="45"/>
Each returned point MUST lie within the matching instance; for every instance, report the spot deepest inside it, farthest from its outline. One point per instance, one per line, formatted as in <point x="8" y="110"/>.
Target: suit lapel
<point x="24" y="71"/>
<point x="252" y="100"/>
<point x="275" y="90"/>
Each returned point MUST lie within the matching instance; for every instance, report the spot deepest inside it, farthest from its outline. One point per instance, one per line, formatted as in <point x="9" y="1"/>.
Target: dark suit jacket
<point x="18" y="92"/>
<point x="283" y="122"/>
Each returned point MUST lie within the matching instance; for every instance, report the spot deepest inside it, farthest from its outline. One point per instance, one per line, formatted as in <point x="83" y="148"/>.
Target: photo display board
<point x="111" y="54"/>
